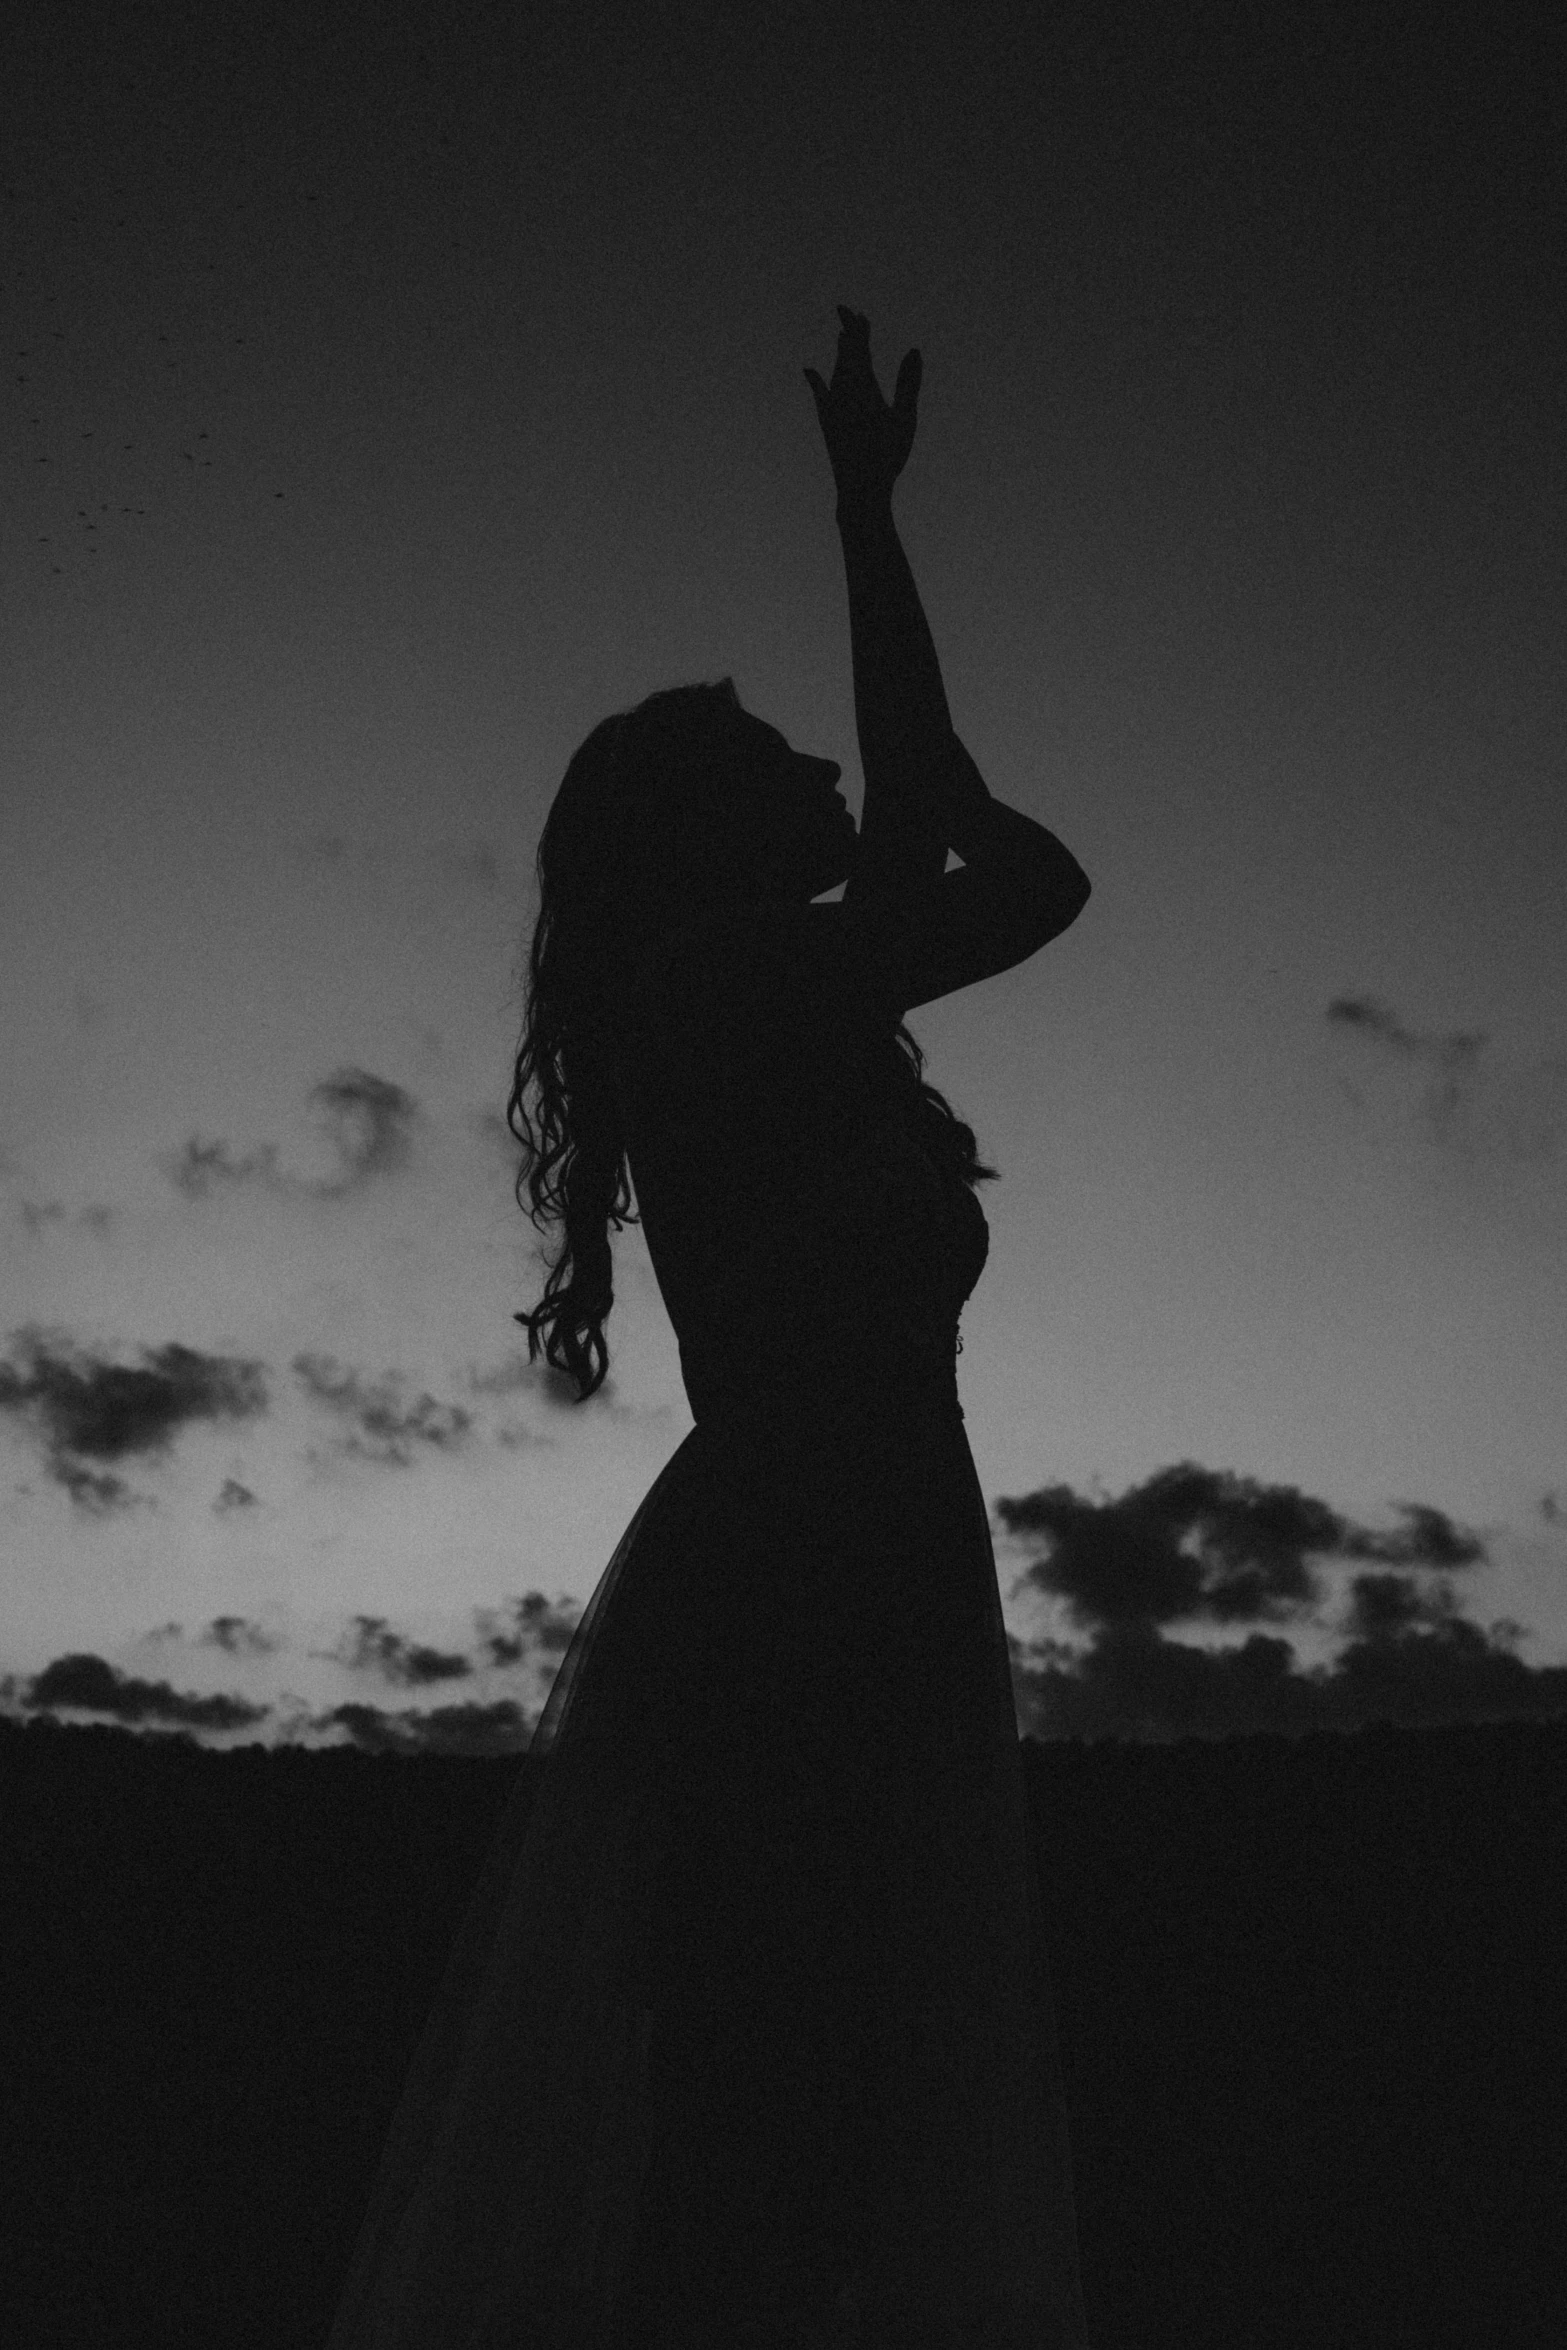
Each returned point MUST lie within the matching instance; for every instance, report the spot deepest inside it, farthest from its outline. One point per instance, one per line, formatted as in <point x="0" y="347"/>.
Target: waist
<point x="834" y="1389"/>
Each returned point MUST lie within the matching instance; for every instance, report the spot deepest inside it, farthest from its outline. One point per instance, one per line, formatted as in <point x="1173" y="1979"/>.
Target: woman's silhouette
<point x="747" y="2035"/>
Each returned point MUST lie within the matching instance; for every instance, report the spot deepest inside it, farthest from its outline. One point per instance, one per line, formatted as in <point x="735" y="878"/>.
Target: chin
<point x="809" y="868"/>
<point x="834" y="866"/>
<point x="819" y="883"/>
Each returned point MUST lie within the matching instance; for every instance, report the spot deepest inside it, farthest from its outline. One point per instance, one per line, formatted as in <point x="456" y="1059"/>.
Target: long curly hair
<point x="628" y="837"/>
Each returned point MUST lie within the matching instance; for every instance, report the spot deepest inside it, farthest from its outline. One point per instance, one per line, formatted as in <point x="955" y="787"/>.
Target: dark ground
<point x="1310" y="1999"/>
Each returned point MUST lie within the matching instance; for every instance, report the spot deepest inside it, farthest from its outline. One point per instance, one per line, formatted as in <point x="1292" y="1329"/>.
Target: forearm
<point x="923" y="792"/>
<point x="1000" y="839"/>
<point x="900" y="704"/>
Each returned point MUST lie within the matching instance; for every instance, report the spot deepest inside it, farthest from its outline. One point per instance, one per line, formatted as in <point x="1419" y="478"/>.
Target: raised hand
<point x="868" y="442"/>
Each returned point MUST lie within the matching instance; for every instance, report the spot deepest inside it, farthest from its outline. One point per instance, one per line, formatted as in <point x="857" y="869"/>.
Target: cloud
<point x="201" y="1165"/>
<point x="370" y="1119"/>
<point x="1204" y="1547"/>
<point x="1187" y="1547"/>
<point x="531" y="1632"/>
<point x="237" y="1636"/>
<point x="1196" y="1545"/>
<point x="98" y="1491"/>
<point x="554" y="1388"/>
<point x="1374" y="1019"/>
<point x="369" y="1122"/>
<point x="542" y="1628"/>
<point x="381" y="1426"/>
<point x="557" y="1390"/>
<point x="498" y="1729"/>
<point x="89" y="1683"/>
<point x="85" y="1410"/>
<point x="89" y="1415"/>
<point x="371" y="1646"/>
<point x="1477" y="1098"/>
<point x="36" y="1214"/>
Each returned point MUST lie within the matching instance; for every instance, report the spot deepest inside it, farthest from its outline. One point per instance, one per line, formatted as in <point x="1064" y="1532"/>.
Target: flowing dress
<point x="747" y="2036"/>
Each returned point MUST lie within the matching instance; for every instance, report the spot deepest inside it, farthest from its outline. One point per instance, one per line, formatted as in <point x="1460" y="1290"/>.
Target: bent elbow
<point x="1061" y="903"/>
<point x="1061" y="880"/>
<point x="1061" y="875"/>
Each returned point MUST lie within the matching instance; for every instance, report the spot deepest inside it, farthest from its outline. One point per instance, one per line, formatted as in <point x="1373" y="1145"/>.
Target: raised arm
<point x="900" y="704"/>
<point x="923" y="793"/>
<point x="900" y="707"/>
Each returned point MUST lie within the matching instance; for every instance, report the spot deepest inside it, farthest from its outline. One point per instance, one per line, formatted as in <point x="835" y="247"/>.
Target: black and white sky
<point x="390" y="394"/>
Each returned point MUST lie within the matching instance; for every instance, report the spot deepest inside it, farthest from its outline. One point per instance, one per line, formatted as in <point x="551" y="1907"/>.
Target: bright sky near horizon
<point x="384" y="403"/>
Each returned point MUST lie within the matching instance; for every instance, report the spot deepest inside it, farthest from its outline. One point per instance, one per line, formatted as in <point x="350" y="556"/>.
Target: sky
<point x="388" y="397"/>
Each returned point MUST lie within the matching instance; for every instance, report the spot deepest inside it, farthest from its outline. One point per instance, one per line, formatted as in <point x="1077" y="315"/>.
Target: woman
<point x="747" y="2038"/>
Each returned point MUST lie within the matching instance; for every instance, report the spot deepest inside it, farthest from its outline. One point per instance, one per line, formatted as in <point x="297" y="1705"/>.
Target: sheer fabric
<point x="747" y="2034"/>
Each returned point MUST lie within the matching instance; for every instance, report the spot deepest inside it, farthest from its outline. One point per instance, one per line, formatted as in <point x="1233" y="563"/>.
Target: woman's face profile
<point x="794" y="821"/>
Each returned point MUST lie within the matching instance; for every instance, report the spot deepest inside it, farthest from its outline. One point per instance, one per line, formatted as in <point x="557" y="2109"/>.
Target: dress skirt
<point x="747" y="2035"/>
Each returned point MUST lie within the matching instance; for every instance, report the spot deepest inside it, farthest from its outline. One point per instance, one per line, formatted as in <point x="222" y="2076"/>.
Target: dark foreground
<point x="1310" y="1995"/>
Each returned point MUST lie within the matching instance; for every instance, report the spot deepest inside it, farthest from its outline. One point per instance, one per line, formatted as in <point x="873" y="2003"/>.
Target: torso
<point x="752" y="1173"/>
<point x="721" y="1157"/>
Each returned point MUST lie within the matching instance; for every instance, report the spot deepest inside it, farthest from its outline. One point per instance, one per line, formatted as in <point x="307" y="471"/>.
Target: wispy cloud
<point x="381" y="1425"/>
<point x="1477" y="1098"/>
<point x="369" y="1122"/>
<point x="371" y="1642"/>
<point x="35" y="1214"/>
<point x="534" y="1627"/>
<point x="238" y="1636"/>
<point x="85" y="1411"/>
<point x="88" y="1415"/>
